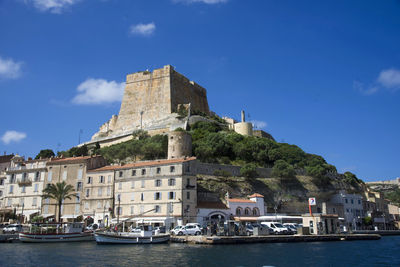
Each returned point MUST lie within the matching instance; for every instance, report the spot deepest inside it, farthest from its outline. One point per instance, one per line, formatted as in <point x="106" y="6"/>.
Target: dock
<point x="379" y="232"/>
<point x="217" y="240"/>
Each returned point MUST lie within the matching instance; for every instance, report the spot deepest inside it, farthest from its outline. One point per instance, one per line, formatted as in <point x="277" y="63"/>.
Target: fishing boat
<point x="146" y="235"/>
<point x="56" y="232"/>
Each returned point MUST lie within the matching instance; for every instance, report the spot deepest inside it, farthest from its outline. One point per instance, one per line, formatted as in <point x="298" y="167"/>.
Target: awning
<point x="69" y="216"/>
<point x="28" y="212"/>
<point x="47" y="215"/>
<point x="246" y="219"/>
<point x="278" y="217"/>
<point x="144" y="220"/>
<point x="6" y="210"/>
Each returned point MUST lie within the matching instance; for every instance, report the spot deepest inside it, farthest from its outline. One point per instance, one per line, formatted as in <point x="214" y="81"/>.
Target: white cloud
<point x="200" y="1"/>
<point x="365" y="90"/>
<point x="259" y="124"/>
<point x="98" y="91"/>
<point x="53" y="6"/>
<point x="9" y="68"/>
<point x="12" y="136"/>
<point x="390" y="79"/>
<point x="143" y="29"/>
<point x="387" y="79"/>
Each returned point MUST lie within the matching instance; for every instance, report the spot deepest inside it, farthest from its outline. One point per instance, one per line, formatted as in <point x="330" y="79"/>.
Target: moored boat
<point x="47" y="233"/>
<point x="145" y="236"/>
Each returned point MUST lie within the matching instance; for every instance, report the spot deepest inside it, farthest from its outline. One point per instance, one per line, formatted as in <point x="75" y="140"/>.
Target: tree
<point x="59" y="192"/>
<point x="45" y="154"/>
<point x="282" y="169"/>
<point x="249" y="170"/>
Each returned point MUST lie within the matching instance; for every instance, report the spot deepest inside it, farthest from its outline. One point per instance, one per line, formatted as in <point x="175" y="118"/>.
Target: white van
<point x="278" y="228"/>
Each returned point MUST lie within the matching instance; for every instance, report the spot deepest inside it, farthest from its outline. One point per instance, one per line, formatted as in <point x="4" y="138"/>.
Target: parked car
<point x="249" y="229"/>
<point x="186" y="230"/>
<point x="292" y="227"/>
<point x="12" y="229"/>
<point x="161" y="229"/>
<point x="262" y="226"/>
<point x="277" y="227"/>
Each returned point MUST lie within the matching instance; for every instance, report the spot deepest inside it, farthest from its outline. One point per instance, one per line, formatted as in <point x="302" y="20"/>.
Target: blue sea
<point x="384" y="252"/>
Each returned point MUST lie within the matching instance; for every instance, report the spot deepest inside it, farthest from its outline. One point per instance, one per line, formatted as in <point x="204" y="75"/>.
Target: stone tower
<point x="150" y="102"/>
<point x="179" y="144"/>
<point x="243" y="127"/>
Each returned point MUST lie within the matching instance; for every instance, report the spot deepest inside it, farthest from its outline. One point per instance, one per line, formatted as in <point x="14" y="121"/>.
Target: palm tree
<point x="59" y="192"/>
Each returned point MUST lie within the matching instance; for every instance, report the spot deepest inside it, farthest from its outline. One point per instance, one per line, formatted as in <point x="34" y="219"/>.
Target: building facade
<point x="72" y="171"/>
<point x="352" y="208"/>
<point x="160" y="192"/>
<point x="24" y="187"/>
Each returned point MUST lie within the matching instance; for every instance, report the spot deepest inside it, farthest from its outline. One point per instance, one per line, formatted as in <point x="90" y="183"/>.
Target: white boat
<point x="47" y="233"/>
<point x="146" y="236"/>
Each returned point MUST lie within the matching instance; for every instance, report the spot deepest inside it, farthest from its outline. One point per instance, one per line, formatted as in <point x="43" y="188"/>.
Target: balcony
<point x="25" y="182"/>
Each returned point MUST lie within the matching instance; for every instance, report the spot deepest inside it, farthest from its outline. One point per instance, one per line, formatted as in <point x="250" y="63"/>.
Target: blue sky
<point x="324" y="75"/>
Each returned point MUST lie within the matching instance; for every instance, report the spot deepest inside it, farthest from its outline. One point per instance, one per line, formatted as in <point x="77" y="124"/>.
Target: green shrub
<point x="249" y="170"/>
<point x="282" y="169"/>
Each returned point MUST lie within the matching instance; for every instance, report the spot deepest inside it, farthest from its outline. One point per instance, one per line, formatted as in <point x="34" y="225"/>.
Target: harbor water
<point x="383" y="252"/>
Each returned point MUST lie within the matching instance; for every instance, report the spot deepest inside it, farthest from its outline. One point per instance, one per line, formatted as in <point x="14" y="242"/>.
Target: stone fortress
<point x="159" y="102"/>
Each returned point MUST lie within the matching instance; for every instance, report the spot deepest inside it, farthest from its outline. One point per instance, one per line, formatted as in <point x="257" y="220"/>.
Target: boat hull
<point x="53" y="238"/>
<point x="112" y="238"/>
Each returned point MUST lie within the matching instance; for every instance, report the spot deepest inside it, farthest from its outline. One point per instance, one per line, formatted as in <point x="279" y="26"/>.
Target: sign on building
<point x="312" y="201"/>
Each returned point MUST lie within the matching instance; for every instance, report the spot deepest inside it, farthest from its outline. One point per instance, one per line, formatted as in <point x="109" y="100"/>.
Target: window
<point x="108" y="191"/>
<point x="247" y="211"/>
<point x="346" y="201"/>
<point x="100" y="191"/>
<point x="171" y="182"/>
<point x="142" y="183"/>
<point x="158" y="183"/>
<point x="37" y="176"/>
<point x="64" y="177"/>
<point x="132" y="209"/>
<point x="188" y="168"/>
<point x="347" y="210"/>
<point x="109" y="179"/>
<point x="79" y="186"/>
<point x="9" y="202"/>
<point x="34" y="201"/>
<point x="80" y="172"/>
<point x="1" y="193"/>
<point x="359" y="202"/>
<point x="77" y="208"/>
<point x="21" y="201"/>
<point x="157" y="209"/>
<point x="132" y="184"/>
<point x="49" y="176"/>
<point x="141" y="196"/>
<point x="47" y="200"/>
<point x="352" y="201"/>
<point x="119" y="186"/>
<point x="132" y="196"/>
<point x="36" y="188"/>
<point x="187" y="195"/>
<point x="99" y="204"/>
<point x="239" y="211"/>
<point x="187" y="208"/>
<point x="171" y="195"/>
<point x="11" y="189"/>
<point x="87" y="192"/>
<point x="12" y="178"/>
<point x="334" y="210"/>
<point x="188" y="181"/>
<point x="256" y="211"/>
<point x="89" y="180"/>
<point x="119" y="197"/>
<point x="133" y="172"/>
<point x="170" y="207"/>
<point x="120" y="173"/>
<point x="157" y="195"/>
<point x="86" y="205"/>
<point x="1" y="181"/>
<point x="158" y="170"/>
<point x="143" y="171"/>
<point x="101" y="179"/>
<point x="172" y="169"/>
<point x="23" y="189"/>
<point x="77" y="197"/>
<point x="24" y="176"/>
<point x="119" y="210"/>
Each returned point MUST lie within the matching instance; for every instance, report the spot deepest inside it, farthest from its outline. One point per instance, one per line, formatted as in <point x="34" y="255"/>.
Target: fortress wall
<point x="148" y="92"/>
<point x="210" y="168"/>
<point x="184" y="91"/>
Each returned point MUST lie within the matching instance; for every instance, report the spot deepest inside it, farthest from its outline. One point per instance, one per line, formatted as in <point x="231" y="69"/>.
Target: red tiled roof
<point x="143" y="164"/>
<point x="240" y="200"/>
<point x="211" y="205"/>
<point x="69" y="160"/>
<point x="256" y="195"/>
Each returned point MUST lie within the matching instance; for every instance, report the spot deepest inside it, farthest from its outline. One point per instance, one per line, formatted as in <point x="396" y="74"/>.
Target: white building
<point x="352" y="206"/>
